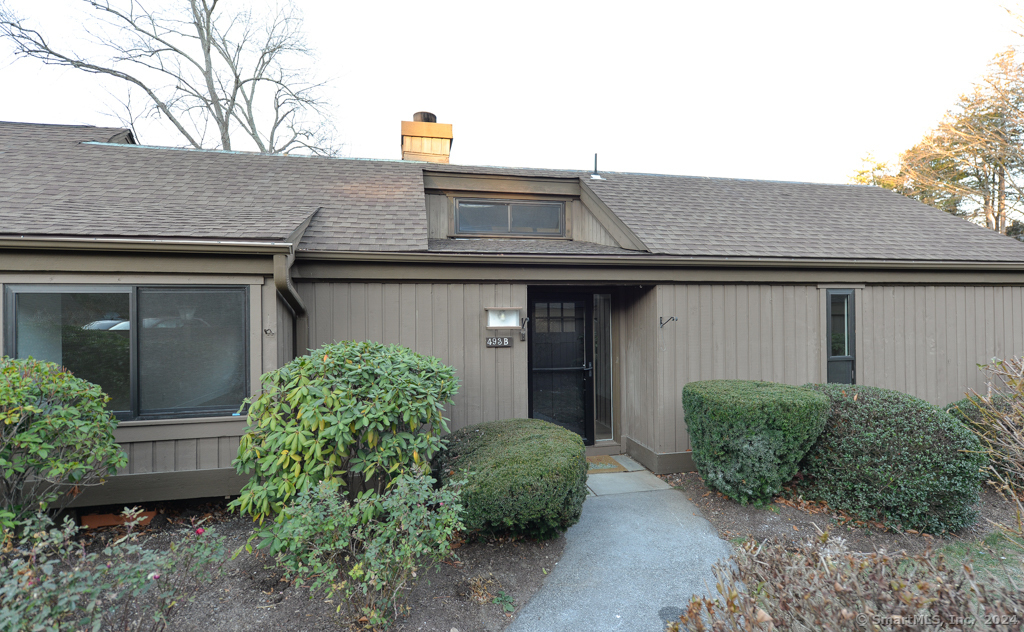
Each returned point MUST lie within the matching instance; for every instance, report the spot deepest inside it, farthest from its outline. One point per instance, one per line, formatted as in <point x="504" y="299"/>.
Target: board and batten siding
<point x="928" y="340"/>
<point x="586" y="227"/>
<point x="437" y="319"/>
<point x="923" y="340"/>
<point x="638" y="322"/>
<point x="730" y="332"/>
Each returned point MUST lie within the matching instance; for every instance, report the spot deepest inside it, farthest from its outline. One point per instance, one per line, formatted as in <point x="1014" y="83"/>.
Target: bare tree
<point x="214" y="76"/>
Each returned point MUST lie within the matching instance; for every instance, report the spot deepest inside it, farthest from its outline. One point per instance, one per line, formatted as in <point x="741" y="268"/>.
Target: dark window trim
<point x="10" y="337"/>
<point x="454" y="232"/>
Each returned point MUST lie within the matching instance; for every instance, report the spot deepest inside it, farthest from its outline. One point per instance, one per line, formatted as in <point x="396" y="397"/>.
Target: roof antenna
<point x="595" y="175"/>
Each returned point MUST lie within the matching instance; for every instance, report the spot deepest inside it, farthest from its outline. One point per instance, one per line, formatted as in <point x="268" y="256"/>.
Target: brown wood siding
<point x="437" y="216"/>
<point x="733" y="332"/>
<point x="285" y="334"/>
<point x="928" y="340"/>
<point x="638" y="326"/>
<point x="585" y="226"/>
<point x="177" y="455"/>
<point x="443" y="320"/>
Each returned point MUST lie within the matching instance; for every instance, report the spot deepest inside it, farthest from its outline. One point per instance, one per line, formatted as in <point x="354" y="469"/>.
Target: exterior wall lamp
<point x="507" y="318"/>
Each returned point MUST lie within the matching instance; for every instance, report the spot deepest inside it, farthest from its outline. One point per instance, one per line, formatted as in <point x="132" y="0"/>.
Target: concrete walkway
<point x="638" y="553"/>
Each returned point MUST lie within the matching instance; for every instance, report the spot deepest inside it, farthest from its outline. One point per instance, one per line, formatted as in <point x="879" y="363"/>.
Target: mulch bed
<point x="793" y="520"/>
<point x="459" y="593"/>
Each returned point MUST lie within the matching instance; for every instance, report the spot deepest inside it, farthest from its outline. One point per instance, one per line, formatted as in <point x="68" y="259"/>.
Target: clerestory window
<point x="512" y="218"/>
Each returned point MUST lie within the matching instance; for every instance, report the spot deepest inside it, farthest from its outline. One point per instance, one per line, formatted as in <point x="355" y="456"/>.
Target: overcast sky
<point x="770" y="90"/>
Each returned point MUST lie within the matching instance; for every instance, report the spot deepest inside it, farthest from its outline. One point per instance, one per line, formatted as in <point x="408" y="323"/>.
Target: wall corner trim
<point x="667" y="463"/>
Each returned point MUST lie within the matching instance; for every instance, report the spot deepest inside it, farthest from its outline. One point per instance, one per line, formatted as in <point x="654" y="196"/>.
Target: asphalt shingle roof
<point x="72" y="181"/>
<point x="55" y="182"/>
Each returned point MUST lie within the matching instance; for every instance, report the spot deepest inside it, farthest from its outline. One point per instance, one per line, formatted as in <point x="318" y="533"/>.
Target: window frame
<point x="508" y="202"/>
<point x="132" y="289"/>
<point x="851" y="324"/>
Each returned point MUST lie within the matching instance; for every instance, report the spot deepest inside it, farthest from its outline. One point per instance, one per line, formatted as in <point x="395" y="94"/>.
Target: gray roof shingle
<point x="57" y="183"/>
<point x="73" y="181"/>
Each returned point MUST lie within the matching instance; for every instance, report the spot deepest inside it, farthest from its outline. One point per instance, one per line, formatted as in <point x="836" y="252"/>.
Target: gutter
<point x="283" y="283"/>
<point x="654" y="261"/>
<point x="148" y="245"/>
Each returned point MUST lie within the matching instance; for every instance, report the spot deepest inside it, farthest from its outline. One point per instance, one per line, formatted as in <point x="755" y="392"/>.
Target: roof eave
<point x="148" y="245"/>
<point x="647" y="261"/>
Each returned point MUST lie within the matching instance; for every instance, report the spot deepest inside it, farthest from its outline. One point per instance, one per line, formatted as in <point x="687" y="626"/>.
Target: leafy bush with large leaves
<point x="888" y="456"/>
<point x="358" y="413"/>
<point x="55" y="436"/>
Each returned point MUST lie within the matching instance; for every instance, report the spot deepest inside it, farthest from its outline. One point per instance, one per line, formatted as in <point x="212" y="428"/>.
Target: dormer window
<point x="509" y="218"/>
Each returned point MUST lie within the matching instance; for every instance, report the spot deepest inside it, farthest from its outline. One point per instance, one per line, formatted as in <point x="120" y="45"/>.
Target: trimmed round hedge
<point x="885" y="455"/>
<point x="527" y="477"/>
<point x="748" y="437"/>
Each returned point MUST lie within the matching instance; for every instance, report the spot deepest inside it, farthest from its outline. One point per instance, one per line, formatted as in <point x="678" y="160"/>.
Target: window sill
<point x="184" y="420"/>
<point x="510" y="236"/>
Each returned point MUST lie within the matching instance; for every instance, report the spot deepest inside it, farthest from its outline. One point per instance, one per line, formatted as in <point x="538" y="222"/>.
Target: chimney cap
<point x="424" y="117"/>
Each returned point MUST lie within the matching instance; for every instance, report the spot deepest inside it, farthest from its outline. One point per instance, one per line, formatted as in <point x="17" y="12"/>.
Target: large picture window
<point x="157" y="351"/>
<point x="498" y="218"/>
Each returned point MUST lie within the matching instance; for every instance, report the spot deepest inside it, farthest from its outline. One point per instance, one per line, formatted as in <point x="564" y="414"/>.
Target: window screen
<point x="496" y="218"/>
<point x="191" y="349"/>
<point x="86" y="332"/>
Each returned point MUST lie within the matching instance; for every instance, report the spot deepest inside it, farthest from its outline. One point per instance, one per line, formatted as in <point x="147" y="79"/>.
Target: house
<point x="174" y="278"/>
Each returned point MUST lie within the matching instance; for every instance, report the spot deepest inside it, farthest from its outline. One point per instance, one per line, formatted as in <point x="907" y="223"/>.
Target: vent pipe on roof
<point x="423" y="138"/>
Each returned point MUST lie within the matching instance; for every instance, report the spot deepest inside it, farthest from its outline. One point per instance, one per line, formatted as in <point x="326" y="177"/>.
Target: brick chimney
<point x="423" y="138"/>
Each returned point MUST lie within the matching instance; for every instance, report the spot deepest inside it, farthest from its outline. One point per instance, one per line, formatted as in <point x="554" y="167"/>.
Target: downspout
<point x="282" y="281"/>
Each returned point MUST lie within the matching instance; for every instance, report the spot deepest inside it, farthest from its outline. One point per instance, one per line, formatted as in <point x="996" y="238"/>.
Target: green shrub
<point x="526" y="476"/>
<point x="350" y="411"/>
<point x="968" y="411"/>
<point x="889" y="456"/>
<point x="748" y="437"/>
<point x="367" y="549"/>
<point x="50" y="582"/>
<point x="822" y="586"/>
<point x="55" y="436"/>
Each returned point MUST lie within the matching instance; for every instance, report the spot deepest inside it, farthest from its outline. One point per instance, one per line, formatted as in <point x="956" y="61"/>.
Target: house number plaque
<point x="503" y="341"/>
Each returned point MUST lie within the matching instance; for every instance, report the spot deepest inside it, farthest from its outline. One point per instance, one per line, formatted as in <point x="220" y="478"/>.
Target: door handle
<point x="589" y="368"/>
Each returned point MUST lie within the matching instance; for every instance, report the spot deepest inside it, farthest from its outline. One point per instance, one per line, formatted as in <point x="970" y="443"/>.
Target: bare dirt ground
<point x="252" y="594"/>
<point x="794" y="520"/>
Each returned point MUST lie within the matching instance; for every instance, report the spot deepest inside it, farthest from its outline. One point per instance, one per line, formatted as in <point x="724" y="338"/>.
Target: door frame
<point x="556" y="295"/>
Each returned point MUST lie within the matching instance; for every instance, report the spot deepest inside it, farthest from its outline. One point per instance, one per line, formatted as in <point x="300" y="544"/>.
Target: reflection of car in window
<point x="104" y="325"/>
<point x="173" y="322"/>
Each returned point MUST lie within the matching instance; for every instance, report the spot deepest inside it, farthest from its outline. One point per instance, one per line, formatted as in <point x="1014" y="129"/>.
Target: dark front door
<point x="562" y="361"/>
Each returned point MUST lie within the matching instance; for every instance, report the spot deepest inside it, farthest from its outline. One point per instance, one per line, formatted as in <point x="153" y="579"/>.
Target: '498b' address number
<point x="499" y="342"/>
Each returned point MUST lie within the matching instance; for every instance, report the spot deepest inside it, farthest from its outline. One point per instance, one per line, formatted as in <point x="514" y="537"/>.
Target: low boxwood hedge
<point x="748" y="437"/>
<point x="885" y="455"/>
<point x="527" y="476"/>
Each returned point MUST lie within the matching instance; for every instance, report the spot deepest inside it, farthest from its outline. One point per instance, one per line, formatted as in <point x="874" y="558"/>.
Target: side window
<point x="157" y="351"/>
<point x="840" y="341"/>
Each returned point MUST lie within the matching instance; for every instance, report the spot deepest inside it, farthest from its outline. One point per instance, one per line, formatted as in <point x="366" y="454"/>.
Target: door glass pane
<point x="603" y="366"/>
<point x="86" y="332"/>
<point x="191" y="349"/>
<point x="557" y="361"/>
<point x="840" y="324"/>
<point x="536" y="219"/>
<point x="482" y="217"/>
